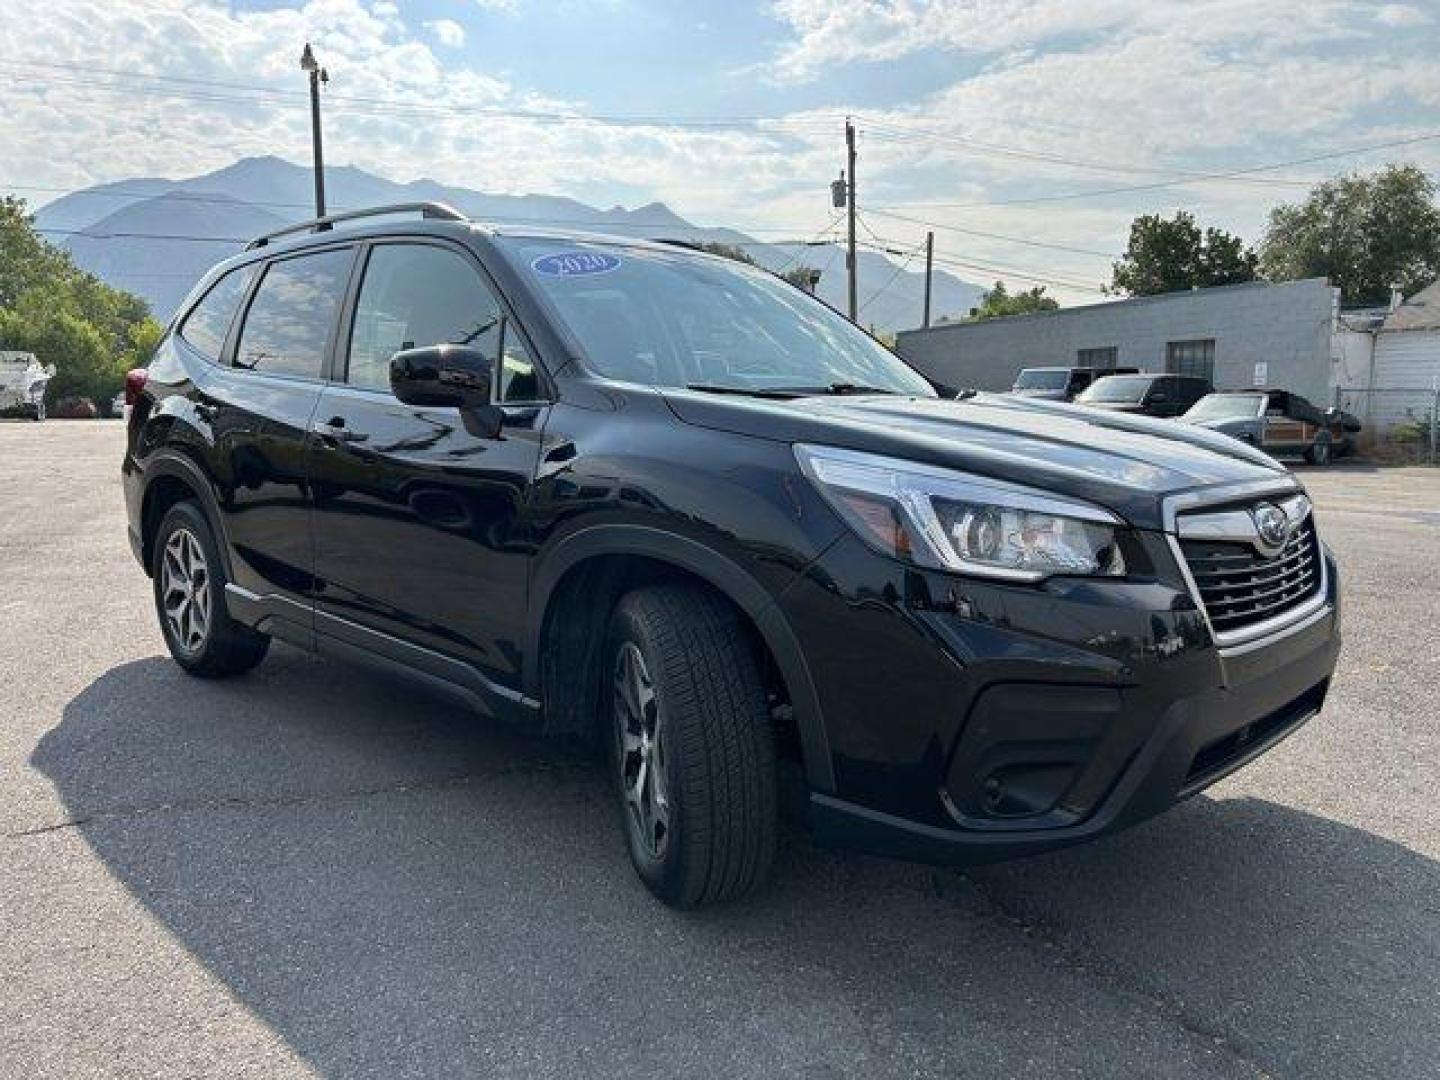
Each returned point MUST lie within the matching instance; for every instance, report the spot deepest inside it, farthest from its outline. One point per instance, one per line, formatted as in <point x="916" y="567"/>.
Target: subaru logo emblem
<point x="1272" y="525"/>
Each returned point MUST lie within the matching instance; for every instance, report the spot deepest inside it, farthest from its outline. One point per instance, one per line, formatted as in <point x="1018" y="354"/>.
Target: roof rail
<point x="433" y="210"/>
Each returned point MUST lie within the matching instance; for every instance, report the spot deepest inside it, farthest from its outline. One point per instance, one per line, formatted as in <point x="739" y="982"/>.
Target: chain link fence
<point x="1399" y="424"/>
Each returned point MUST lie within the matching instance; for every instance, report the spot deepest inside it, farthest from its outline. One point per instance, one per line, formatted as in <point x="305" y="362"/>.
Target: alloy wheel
<point x="639" y="733"/>
<point x="185" y="590"/>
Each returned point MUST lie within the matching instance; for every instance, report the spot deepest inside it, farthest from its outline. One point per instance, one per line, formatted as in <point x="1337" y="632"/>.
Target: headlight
<point x="955" y="521"/>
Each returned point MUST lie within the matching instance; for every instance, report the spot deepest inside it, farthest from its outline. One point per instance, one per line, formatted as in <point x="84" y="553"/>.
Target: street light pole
<point x="318" y="75"/>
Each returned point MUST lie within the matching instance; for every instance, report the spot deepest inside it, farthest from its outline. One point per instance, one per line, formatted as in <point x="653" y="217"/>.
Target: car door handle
<point x="334" y="430"/>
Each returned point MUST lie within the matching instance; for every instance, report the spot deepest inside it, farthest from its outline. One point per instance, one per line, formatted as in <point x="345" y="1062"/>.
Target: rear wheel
<point x="189" y="582"/>
<point x="692" y="749"/>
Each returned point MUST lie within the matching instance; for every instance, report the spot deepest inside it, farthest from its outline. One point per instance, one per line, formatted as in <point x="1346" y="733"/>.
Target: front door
<point x="419" y="516"/>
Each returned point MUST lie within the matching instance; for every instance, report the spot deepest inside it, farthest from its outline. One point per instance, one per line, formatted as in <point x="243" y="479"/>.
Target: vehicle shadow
<point x="396" y="887"/>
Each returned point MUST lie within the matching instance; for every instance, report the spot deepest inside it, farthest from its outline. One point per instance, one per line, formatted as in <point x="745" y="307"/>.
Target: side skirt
<point x="320" y="632"/>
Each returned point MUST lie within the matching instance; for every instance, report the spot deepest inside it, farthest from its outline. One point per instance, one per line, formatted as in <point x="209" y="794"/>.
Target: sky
<point x="1026" y="133"/>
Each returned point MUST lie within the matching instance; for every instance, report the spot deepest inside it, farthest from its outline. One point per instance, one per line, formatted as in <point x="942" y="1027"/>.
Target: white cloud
<point x="827" y="33"/>
<point x="447" y="32"/>
<point x="1153" y="84"/>
<point x="392" y="106"/>
<point x="1402" y="15"/>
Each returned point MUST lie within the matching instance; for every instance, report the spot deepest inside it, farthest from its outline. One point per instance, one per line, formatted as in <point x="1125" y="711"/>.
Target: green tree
<point x="799" y="276"/>
<point x="999" y="302"/>
<point x="1172" y="254"/>
<point x="1363" y="232"/>
<point x="66" y="317"/>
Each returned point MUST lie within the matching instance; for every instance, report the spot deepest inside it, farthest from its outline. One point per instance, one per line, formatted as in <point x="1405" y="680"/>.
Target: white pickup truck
<point x="22" y="384"/>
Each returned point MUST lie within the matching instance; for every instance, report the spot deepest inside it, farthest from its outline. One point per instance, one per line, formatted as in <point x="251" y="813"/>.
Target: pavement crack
<point x="301" y="798"/>
<point x="1093" y="968"/>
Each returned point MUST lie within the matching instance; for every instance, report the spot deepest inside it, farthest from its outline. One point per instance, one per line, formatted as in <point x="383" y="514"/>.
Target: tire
<point x="1319" y="454"/>
<point x="711" y="829"/>
<point x="189" y="588"/>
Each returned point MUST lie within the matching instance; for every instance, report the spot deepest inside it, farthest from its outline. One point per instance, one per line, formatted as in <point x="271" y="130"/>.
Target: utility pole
<point x="318" y="75"/>
<point x="929" y="270"/>
<point x="851" y="261"/>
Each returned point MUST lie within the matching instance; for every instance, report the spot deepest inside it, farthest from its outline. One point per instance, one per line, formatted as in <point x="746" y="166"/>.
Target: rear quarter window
<point x="207" y="325"/>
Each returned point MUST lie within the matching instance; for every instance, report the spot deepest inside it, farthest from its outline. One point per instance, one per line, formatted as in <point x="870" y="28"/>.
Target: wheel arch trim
<point x="723" y="574"/>
<point x="167" y="463"/>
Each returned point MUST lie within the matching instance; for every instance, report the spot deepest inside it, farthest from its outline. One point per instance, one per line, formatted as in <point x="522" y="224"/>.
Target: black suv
<point x="1152" y="395"/>
<point x="622" y="488"/>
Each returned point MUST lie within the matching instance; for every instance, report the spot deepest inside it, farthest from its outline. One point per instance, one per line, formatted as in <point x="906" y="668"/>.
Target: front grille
<point x="1240" y="587"/>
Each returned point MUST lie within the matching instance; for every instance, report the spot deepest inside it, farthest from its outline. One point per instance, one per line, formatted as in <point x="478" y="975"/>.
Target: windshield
<point x="1042" y="379"/>
<point x="1226" y="407"/>
<point x="679" y="319"/>
<point x="1117" y="388"/>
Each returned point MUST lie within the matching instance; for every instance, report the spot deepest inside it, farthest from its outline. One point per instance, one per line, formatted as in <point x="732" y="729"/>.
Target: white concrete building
<point x="1237" y="336"/>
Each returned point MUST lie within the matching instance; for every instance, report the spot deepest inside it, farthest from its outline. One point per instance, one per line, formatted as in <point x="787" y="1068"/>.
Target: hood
<point x="1127" y="464"/>
<point x="1220" y="423"/>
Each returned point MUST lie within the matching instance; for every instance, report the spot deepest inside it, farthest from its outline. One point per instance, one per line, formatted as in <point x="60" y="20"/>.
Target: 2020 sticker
<point x="576" y="263"/>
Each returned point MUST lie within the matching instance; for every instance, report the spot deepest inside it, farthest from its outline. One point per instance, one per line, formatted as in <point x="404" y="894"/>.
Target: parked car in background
<point x="1278" y="422"/>
<point x="22" y="384"/>
<point x="1151" y="394"/>
<point x="1059" y="383"/>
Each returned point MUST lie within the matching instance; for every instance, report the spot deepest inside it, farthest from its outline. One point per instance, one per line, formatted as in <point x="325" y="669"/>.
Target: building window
<point x="1097" y="358"/>
<point x="1191" y="358"/>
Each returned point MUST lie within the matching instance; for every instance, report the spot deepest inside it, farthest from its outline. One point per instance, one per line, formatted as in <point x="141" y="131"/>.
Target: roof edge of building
<point x="1179" y="294"/>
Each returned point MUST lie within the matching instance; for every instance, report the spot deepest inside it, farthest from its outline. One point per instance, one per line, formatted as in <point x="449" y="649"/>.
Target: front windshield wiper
<point x="837" y="389"/>
<point x="784" y="393"/>
<point x="781" y="394"/>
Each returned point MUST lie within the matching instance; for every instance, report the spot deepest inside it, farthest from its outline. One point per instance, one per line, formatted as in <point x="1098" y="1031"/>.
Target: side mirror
<point x="442" y="376"/>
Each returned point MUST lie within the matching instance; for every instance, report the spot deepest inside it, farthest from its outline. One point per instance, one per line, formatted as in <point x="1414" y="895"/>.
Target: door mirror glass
<point x="442" y="376"/>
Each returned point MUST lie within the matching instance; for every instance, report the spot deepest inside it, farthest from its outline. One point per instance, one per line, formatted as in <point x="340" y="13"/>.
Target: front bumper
<point x="994" y="723"/>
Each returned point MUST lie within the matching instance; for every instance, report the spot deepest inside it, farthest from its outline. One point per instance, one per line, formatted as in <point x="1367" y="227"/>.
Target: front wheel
<point x="1319" y="454"/>
<point x="692" y="749"/>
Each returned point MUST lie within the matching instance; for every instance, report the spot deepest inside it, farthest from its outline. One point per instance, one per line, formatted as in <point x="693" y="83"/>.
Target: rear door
<point x="419" y="515"/>
<point x="259" y="403"/>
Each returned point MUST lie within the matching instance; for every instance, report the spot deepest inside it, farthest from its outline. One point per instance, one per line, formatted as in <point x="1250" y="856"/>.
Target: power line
<point x="901" y="134"/>
<point x="598" y="223"/>
<point x="888" y="283"/>
<point x="1035" y="276"/>
<point x="657" y="234"/>
<point x="242" y="93"/>
<point x="994" y="236"/>
<point x="1172" y="183"/>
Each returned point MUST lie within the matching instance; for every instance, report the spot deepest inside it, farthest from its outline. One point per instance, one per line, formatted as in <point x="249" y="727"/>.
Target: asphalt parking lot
<point x="314" y="870"/>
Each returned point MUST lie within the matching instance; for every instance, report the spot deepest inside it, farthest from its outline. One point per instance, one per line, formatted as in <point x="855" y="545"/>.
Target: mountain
<point x="156" y="237"/>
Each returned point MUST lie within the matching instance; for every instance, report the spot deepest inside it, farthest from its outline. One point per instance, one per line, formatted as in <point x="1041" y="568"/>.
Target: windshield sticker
<point x="575" y="264"/>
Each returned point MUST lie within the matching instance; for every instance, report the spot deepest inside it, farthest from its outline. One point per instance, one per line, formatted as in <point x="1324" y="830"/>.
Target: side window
<point x="289" y="320"/>
<point x="208" y="323"/>
<point x="415" y="295"/>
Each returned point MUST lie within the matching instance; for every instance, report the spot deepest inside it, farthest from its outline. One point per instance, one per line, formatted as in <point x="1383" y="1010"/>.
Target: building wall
<point x="1286" y="326"/>
<point x="1407" y="368"/>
